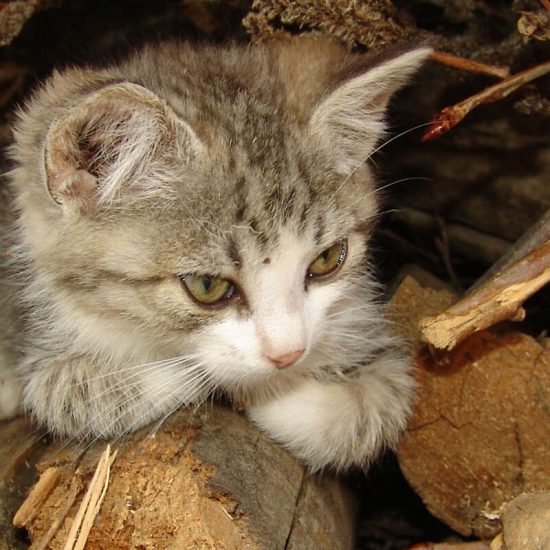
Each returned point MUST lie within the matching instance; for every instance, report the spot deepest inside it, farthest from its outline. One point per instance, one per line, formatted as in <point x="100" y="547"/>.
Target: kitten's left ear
<point x="350" y="120"/>
<point x="112" y="140"/>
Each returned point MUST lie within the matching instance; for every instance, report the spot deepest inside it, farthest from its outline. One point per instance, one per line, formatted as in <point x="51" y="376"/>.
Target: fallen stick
<point x="457" y="62"/>
<point x="449" y="117"/>
<point x="500" y="295"/>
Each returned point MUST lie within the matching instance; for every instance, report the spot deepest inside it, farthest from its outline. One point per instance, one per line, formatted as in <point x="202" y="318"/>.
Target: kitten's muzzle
<point x="287" y="359"/>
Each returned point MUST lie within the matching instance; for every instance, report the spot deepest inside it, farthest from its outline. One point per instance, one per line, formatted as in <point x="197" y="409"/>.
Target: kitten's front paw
<point x="10" y="396"/>
<point x="340" y="424"/>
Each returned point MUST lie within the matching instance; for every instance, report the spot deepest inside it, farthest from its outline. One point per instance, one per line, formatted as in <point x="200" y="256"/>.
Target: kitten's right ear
<point x="350" y="120"/>
<point x="110" y="140"/>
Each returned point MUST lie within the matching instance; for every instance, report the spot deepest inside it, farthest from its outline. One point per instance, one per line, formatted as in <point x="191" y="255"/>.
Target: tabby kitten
<point x="196" y="220"/>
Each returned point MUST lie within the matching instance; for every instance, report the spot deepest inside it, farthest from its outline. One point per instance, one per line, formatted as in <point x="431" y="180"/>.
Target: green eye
<point x="208" y="290"/>
<point x="329" y="261"/>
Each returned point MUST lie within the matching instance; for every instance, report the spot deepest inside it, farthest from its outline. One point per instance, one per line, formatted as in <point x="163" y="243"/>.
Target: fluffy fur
<point x="238" y="162"/>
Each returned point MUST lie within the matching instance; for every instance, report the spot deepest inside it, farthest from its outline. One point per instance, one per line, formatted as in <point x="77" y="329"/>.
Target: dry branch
<point x="470" y="65"/>
<point x="449" y="117"/>
<point x="499" y="297"/>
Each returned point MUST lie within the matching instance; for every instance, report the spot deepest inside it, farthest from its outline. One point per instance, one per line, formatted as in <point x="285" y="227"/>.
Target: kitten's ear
<point x="350" y="120"/>
<point x="111" y="139"/>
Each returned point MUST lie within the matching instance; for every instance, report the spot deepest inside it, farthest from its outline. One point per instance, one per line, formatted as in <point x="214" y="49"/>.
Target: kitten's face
<point x="250" y="278"/>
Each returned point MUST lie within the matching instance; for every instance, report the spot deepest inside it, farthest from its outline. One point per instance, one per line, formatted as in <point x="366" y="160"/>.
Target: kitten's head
<point x="213" y="205"/>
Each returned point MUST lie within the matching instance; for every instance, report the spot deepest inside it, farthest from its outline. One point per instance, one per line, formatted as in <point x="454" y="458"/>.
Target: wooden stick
<point x="536" y="235"/>
<point x="457" y="62"/>
<point x="546" y="4"/>
<point x="497" y="543"/>
<point x="500" y="293"/>
<point x="449" y="117"/>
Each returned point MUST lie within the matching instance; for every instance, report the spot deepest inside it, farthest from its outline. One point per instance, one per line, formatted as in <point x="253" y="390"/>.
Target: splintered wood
<point x="207" y="479"/>
<point x="89" y="507"/>
<point x="500" y="294"/>
<point x="481" y="427"/>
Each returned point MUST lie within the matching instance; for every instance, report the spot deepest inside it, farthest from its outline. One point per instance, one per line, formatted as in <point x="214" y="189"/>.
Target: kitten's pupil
<point x="206" y="283"/>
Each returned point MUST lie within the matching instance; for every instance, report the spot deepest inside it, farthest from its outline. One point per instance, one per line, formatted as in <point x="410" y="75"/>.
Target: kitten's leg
<point x="341" y="423"/>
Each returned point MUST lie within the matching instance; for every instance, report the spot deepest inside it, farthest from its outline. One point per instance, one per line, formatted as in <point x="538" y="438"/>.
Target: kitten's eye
<point x="208" y="290"/>
<point x="329" y="261"/>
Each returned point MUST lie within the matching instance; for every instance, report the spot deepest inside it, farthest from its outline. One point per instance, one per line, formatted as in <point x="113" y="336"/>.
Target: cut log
<point x="481" y="428"/>
<point x="206" y="479"/>
<point x="525" y="523"/>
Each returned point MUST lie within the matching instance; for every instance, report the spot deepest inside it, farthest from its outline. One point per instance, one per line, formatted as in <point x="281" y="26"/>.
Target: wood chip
<point x="39" y="493"/>
<point x="91" y="502"/>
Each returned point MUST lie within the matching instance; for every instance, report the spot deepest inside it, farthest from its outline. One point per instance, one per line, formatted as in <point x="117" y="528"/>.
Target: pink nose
<point x="283" y="361"/>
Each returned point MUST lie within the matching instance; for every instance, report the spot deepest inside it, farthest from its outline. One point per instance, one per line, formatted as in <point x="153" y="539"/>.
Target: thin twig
<point x="443" y="245"/>
<point x="500" y="71"/>
<point x="449" y="117"/>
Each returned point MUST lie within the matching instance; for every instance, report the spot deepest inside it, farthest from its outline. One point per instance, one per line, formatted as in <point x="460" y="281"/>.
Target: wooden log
<point x="480" y="431"/>
<point x="206" y="479"/>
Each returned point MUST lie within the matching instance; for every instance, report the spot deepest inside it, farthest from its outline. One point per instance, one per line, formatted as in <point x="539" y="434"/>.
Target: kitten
<point x="196" y="220"/>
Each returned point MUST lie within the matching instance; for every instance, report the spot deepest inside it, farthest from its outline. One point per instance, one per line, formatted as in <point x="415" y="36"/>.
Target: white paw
<point x="340" y="424"/>
<point x="10" y="396"/>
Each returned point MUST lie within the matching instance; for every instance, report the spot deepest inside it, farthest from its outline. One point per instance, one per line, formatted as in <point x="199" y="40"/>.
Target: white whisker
<point x="373" y="152"/>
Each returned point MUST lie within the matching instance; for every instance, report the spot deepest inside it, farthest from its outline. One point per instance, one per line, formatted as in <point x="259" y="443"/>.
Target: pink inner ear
<point x="79" y="187"/>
